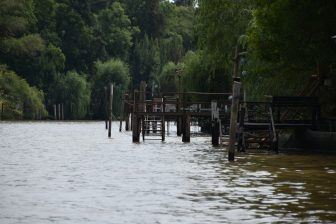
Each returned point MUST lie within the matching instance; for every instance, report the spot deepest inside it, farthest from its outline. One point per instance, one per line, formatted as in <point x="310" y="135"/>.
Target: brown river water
<point x="70" y="172"/>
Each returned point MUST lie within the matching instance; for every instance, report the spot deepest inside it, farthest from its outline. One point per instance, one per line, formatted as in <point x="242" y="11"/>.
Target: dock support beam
<point x="233" y="119"/>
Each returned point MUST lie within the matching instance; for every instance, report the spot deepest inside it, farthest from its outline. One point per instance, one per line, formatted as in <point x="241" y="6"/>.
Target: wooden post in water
<point x="55" y="112"/>
<point x="59" y="111"/>
<point x="186" y="131"/>
<point x="62" y="111"/>
<point x="135" y="123"/>
<point x="106" y="107"/>
<point x="178" y="120"/>
<point x="110" y="110"/>
<point x="121" y="116"/>
<point x="163" y="125"/>
<point x="2" y="111"/>
<point x="126" y="112"/>
<point x="233" y="120"/>
<point x="214" y="123"/>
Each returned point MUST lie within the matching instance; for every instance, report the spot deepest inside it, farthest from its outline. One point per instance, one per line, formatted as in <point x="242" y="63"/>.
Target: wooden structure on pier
<point x="261" y="122"/>
<point x="258" y="123"/>
<point x="148" y="116"/>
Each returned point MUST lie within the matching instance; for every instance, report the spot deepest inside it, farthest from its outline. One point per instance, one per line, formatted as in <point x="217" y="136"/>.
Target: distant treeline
<point x="67" y="51"/>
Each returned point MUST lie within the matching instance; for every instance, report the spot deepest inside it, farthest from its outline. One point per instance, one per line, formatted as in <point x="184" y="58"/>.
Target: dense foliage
<point x="69" y="51"/>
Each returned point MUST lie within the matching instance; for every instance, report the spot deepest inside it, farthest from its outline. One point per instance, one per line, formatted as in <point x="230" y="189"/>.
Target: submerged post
<point x="110" y="110"/>
<point x="233" y="119"/>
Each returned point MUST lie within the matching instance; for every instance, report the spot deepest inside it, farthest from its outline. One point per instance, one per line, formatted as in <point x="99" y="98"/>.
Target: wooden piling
<point x="186" y="129"/>
<point x="233" y="120"/>
<point x="62" y="111"/>
<point x="135" y="129"/>
<point x="58" y="111"/>
<point x="163" y="125"/>
<point x="121" y="116"/>
<point x="178" y="120"/>
<point x="127" y="122"/>
<point x="2" y="111"/>
<point x="106" y="107"/>
<point x="214" y="123"/>
<point x="55" y="112"/>
<point x="110" y="110"/>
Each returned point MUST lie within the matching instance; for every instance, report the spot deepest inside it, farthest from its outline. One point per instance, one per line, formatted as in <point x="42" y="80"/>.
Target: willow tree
<point x="288" y="43"/>
<point x="220" y="23"/>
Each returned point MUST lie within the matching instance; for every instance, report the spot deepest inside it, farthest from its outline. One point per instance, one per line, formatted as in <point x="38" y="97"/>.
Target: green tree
<point x="288" y="43"/>
<point x="116" y="31"/>
<point x="73" y="90"/>
<point x="18" y="98"/>
<point x="112" y="71"/>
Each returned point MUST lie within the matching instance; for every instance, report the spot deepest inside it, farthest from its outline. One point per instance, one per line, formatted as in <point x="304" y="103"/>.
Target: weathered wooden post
<point x="110" y="110"/>
<point x="186" y="131"/>
<point x="106" y="107"/>
<point x="163" y="125"/>
<point x="121" y="116"/>
<point x="135" y="123"/>
<point x="59" y="111"/>
<point x="1" y="115"/>
<point x="62" y="111"/>
<point x="214" y="123"/>
<point x="233" y="120"/>
<point x="55" y="112"/>
<point x="178" y="120"/>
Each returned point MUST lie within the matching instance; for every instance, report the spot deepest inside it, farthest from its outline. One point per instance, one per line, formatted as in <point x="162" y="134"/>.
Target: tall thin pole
<point x="110" y="110"/>
<point x="105" y="107"/>
<point x="233" y="119"/>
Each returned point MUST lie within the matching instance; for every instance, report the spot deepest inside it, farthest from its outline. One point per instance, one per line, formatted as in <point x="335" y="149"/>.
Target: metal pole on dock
<point x="233" y="120"/>
<point x="110" y="111"/>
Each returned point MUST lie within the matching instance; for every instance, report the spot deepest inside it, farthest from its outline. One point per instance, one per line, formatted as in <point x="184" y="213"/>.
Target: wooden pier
<point x="251" y="124"/>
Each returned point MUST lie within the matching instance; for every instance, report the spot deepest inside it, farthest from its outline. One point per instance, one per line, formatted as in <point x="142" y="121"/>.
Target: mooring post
<point x="233" y="119"/>
<point x="135" y="119"/>
<point x="59" y="111"/>
<point x="163" y="125"/>
<point x="214" y="123"/>
<point x="186" y="131"/>
<point x="1" y="115"/>
<point x="106" y="107"/>
<point x="178" y="120"/>
<point x="135" y="129"/>
<point x="121" y="116"/>
<point x="110" y="110"/>
<point x="55" y="112"/>
<point x="62" y="111"/>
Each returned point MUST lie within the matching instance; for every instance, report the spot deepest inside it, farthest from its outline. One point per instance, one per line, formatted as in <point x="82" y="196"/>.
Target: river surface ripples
<point x="70" y="172"/>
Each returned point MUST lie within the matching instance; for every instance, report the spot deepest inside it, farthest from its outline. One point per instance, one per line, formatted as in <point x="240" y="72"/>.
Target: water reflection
<point x="71" y="173"/>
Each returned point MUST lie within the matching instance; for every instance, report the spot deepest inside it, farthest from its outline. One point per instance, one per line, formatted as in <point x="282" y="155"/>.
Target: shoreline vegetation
<point x="67" y="51"/>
